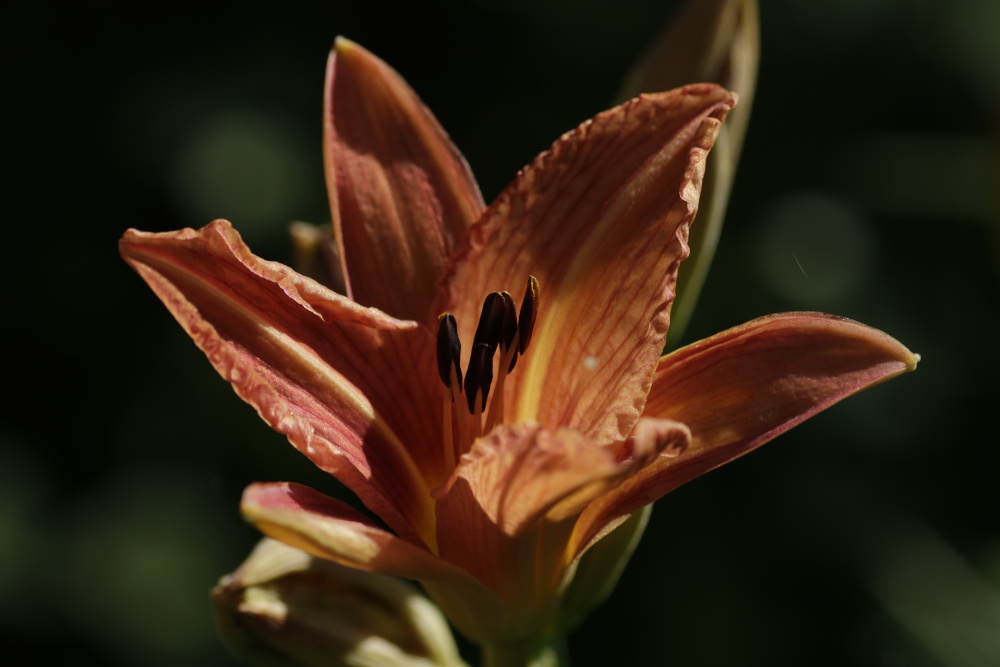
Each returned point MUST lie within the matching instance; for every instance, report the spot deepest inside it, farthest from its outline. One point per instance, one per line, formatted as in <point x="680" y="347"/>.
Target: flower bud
<point x="285" y="608"/>
<point x="711" y="41"/>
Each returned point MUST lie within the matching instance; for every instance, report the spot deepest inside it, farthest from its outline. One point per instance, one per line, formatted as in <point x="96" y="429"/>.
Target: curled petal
<point x="742" y="387"/>
<point x="491" y="509"/>
<point x="519" y="473"/>
<point x="316" y="366"/>
<point x="652" y="443"/>
<point x="508" y="513"/>
<point x="601" y="219"/>
<point x="400" y="192"/>
<point x="652" y="438"/>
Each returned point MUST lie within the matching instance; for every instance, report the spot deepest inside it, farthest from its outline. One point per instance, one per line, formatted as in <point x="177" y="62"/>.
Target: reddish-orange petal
<point x="601" y="219"/>
<point x="742" y="387"/>
<point x="508" y="513"/>
<point x="400" y="192"/>
<point x="351" y="387"/>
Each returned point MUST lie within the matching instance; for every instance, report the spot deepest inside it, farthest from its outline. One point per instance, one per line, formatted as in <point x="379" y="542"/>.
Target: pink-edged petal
<point x="400" y="192"/>
<point x="345" y="384"/>
<point x="327" y="528"/>
<point x="742" y="387"/>
<point x="601" y="219"/>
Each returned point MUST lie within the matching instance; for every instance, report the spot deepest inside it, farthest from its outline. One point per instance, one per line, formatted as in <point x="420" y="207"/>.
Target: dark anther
<point x="508" y="330"/>
<point x="479" y="376"/>
<point x="529" y="310"/>
<point x="491" y="321"/>
<point x="449" y="351"/>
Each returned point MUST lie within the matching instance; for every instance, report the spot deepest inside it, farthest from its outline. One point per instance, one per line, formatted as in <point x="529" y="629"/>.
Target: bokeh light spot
<point x="814" y="250"/>
<point x="240" y="165"/>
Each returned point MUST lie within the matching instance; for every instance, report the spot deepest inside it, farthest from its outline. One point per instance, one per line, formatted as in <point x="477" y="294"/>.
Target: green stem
<point x="551" y="654"/>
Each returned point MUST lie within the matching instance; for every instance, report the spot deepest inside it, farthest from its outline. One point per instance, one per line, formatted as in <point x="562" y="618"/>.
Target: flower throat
<point x="502" y="335"/>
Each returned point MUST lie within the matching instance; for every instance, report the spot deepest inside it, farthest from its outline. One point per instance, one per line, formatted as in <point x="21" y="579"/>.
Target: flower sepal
<point x="536" y="654"/>
<point x="599" y="569"/>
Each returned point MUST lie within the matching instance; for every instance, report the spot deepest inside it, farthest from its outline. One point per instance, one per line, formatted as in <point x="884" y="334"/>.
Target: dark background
<point x="868" y="188"/>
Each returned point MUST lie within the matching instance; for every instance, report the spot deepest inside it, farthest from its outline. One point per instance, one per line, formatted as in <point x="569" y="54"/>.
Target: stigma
<point x="503" y="333"/>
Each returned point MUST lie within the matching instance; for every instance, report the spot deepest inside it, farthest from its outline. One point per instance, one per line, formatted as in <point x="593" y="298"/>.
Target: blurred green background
<point x="868" y="188"/>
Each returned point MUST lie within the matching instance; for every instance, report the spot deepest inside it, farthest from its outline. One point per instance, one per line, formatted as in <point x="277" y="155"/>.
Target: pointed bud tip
<point x="342" y="44"/>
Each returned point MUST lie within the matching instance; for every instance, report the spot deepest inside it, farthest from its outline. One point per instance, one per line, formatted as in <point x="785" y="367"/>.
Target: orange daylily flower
<point x="493" y="481"/>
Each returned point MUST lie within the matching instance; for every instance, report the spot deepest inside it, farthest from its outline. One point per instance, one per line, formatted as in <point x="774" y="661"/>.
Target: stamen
<point x="479" y="377"/>
<point x="507" y="360"/>
<point x="491" y="321"/>
<point x="508" y="330"/>
<point x="461" y="443"/>
<point x="449" y="354"/>
<point x="529" y="310"/>
<point x="501" y="328"/>
<point x="449" y="351"/>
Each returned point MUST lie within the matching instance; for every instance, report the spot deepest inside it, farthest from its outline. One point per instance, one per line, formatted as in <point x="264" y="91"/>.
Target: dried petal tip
<point x="529" y="311"/>
<point x="449" y="353"/>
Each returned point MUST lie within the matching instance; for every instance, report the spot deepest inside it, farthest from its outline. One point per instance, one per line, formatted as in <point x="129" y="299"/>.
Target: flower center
<point x="502" y="334"/>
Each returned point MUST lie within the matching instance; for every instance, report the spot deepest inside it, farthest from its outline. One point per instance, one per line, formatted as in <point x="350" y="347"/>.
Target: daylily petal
<point x="742" y="387"/>
<point x="601" y="219"/>
<point x="327" y="528"/>
<point x="400" y="192"/>
<point x="519" y="473"/>
<point x="344" y="383"/>
<point x="508" y="512"/>
<point x="519" y="491"/>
